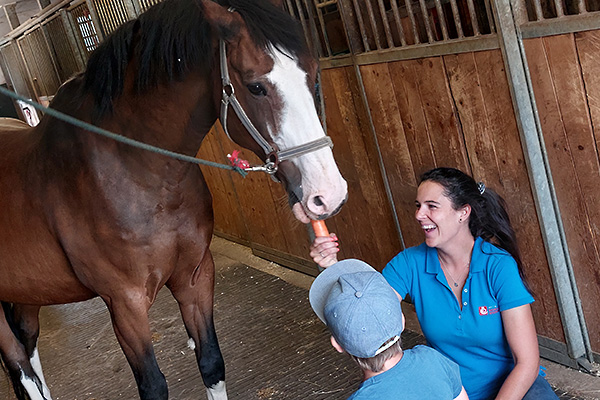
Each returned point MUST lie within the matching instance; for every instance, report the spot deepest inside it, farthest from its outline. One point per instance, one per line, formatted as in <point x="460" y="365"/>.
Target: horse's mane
<point x="170" y="39"/>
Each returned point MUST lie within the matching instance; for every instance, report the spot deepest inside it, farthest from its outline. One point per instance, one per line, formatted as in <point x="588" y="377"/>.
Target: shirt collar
<point x="433" y="262"/>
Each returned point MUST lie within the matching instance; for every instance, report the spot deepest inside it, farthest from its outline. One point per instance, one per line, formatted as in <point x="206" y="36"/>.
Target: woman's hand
<point x="324" y="250"/>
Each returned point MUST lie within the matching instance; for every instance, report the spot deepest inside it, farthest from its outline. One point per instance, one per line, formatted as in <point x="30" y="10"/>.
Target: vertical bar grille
<point x="146" y="4"/>
<point x="67" y="64"/>
<point x="540" y="10"/>
<point x="322" y="24"/>
<point x="374" y="25"/>
<point x="112" y="14"/>
<point x="85" y="27"/>
<point x="18" y="74"/>
<point x="39" y="62"/>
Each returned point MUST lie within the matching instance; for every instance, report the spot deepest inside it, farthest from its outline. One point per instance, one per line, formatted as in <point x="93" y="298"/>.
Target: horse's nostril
<point x="318" y="202"/>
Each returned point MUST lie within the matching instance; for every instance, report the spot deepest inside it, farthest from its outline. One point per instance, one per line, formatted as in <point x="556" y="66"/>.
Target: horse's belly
<point x="40" y="284"/>
<point x="34" y="270"/>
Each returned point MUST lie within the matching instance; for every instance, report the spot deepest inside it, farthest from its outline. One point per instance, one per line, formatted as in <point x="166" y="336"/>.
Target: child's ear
<point x="336" y="345"/>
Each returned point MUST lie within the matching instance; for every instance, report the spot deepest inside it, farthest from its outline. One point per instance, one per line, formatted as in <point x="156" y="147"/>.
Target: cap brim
<point x="322" y="285"/>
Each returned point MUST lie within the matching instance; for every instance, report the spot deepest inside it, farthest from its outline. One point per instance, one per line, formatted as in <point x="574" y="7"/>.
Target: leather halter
<point x="274" y="156"/>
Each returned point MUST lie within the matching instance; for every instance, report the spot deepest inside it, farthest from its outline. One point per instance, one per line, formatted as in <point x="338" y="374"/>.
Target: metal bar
<point x="442" y="18"/>
<point x="361" y="25"/>
<point x="373" y="23"/>
<point x="574" y="23"/>
<point x="386" y="25"/>
<point x="300" y="17"/>
<point x="582" y="7"/>
<point x="456" y="16"/>
<point x="398" y="22"/>
<point x="536" y="158"/>
<point x="425" y="50"/>
<point x="323" y="30"/>
<point x="538" y="10"/>
<point x="325" y="3"/>
<point x="313" y="27"/>
<point x="473" y="16"/>
<point x="425" y="13"/>
<point x="560" y="12"/>
<point x="490" y="16"/>
<point x="411" y="15"/>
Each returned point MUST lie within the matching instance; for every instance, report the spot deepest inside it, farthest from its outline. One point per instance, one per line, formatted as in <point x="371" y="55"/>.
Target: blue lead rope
<point x="119" y="138"/>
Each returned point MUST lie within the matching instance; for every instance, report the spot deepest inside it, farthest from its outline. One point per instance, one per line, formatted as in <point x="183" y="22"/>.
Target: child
<point x="364" y="316"/>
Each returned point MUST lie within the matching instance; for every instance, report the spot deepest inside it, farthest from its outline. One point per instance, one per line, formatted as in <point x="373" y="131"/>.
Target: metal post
<point x="11" y="15"/>
<point x="540" y="176"/>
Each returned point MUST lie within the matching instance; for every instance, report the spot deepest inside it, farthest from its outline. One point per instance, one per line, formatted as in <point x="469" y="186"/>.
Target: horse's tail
<point x="15" y="378"/>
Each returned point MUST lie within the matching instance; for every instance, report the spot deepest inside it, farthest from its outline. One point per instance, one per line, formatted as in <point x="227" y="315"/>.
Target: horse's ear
<point x="225" y="22"/>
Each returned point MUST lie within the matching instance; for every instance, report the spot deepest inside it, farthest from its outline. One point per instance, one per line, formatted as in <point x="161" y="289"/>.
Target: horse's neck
<point x="176" y="117"/>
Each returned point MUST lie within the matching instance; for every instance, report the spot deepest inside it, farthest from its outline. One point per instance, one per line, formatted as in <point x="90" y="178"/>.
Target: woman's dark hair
<point x="489" y="217"/>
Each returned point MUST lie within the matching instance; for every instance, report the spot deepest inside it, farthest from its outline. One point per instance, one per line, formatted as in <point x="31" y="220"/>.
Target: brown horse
<point x="84" y="216"/>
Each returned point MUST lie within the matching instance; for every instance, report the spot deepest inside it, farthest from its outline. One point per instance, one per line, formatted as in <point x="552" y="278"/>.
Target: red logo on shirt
<point x="483" y="310"/>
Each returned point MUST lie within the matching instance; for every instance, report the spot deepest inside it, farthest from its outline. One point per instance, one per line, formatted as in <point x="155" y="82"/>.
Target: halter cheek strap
<point x="274" y="156"/>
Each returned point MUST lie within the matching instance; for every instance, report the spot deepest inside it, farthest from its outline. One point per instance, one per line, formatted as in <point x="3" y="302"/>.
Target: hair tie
<point x="481" y="187"/>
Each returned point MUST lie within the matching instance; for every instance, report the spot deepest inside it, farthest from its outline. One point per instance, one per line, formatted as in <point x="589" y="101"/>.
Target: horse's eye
<point x="257" y="89"/>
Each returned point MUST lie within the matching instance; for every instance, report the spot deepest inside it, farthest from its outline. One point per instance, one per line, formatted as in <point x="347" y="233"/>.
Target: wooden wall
<point x="453" y="110"/>
<point x="456" y="111"/>
<point x="566" y="82"/>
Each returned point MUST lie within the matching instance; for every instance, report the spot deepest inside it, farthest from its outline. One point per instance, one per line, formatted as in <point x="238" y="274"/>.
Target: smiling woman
<point x="465" y="281"/>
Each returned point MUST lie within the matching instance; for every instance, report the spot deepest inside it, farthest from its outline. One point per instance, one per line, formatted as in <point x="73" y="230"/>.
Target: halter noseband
<point x="274" y="157"/>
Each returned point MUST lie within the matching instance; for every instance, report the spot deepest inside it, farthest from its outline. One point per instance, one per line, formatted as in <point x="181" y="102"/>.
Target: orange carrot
<point x="320" y="228"/>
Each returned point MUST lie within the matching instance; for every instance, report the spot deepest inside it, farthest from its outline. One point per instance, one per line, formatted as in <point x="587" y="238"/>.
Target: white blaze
<point x="300" y="124"/>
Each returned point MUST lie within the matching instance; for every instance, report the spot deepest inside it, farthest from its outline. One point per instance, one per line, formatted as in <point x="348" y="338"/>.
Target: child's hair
<point x="489" y="217"/>
<point x="375" y="364"/>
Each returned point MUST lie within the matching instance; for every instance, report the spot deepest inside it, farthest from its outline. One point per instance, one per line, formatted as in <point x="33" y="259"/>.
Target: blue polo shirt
<point x="473" y="336"/>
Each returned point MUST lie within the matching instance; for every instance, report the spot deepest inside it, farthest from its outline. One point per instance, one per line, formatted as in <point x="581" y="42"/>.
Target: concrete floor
<point x="274" y="346"/>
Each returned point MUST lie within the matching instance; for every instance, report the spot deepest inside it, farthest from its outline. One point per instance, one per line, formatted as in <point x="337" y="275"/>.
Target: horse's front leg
<point x="129" y="313"/>
<point x="193" y="289"/>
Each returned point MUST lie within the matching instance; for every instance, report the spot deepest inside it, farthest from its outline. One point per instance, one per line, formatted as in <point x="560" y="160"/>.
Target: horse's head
<point x="268" y="74"/>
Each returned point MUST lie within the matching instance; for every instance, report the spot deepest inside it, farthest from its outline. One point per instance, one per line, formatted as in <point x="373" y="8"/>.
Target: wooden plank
<point x="588" y="46"/>
<point x="442" y="119"/>
<point x="228" y="217"/>
<point x="366" y="215"/>
<point x="387" y="120"/>
<point x="257" y="205"/>
<point x="430" y="124"/>
<point x="482" y="98"/>
<point x="570" y="145"/>
<point x="571" y="93"/>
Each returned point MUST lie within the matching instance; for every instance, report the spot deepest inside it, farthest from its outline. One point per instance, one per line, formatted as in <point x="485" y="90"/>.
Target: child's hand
<point x="324" y="250"/>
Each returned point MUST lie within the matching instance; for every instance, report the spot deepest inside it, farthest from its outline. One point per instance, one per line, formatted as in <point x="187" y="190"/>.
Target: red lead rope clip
<point x="236" y="161"/>
<point x="243" y="166"/>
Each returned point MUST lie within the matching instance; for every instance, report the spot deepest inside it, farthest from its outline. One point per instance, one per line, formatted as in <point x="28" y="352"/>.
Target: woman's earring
<point x="460" y="220"/>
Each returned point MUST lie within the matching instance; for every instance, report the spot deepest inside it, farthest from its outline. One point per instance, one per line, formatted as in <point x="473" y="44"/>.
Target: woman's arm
<point x="522" y="339"/>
